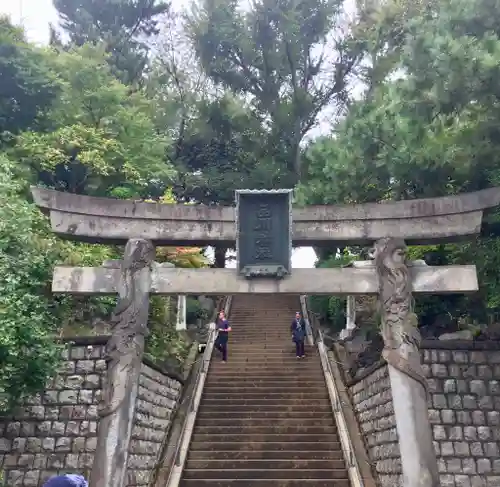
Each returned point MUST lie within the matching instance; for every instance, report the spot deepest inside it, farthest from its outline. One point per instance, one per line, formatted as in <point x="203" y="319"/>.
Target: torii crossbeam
<point x="341" y="281"/>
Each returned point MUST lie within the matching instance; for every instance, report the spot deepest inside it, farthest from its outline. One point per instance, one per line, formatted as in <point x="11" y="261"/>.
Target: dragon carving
<point x="399" y="324"/>
<point x="129" y="322"/>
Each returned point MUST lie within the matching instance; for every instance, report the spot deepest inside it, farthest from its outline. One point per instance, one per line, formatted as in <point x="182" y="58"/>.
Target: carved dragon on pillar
<point x="129" y="323"/>
<point x="399" y="324"/>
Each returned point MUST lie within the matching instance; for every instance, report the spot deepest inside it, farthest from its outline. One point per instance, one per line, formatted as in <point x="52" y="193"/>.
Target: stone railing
<point x="170" y="448"/>
<point x="188" y="418"/>
<point x="356" y="458"/>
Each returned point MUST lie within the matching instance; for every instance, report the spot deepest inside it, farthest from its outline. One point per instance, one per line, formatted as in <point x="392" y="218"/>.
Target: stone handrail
<point x="188" y="426"/>
<point x="354" y="472"/>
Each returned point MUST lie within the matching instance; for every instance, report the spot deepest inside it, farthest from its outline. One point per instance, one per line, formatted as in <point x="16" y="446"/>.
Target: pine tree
<point x="124" y="26"/>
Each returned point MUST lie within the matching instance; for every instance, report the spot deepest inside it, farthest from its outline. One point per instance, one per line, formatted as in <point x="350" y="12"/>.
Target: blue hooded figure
<point x="67" y="480"/>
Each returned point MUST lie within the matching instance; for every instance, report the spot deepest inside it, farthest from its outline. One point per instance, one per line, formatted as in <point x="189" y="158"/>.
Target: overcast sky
<point x="36" y="15"/>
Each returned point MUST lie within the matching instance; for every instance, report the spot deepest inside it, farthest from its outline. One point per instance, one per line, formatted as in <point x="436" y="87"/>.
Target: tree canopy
<point x="122" y="27"/>
<point x="427" y="128"/>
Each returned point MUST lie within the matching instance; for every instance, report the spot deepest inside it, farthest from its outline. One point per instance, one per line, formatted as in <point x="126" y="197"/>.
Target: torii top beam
<point x="112" y="221"/>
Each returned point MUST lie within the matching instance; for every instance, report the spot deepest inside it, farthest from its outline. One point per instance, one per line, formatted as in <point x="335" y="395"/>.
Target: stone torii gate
<point x="265" y="228"/>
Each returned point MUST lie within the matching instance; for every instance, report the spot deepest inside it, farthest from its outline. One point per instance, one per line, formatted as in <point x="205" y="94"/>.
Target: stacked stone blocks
<point x="157" y="398"/>
<point x="56" y="432"/>
<point x="372" y="401"/>
<point x="464" y="410"/>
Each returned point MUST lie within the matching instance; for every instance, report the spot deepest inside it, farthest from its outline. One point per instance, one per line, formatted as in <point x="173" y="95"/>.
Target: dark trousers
<point x="222" y="347"/>
<point x="299" y="348"/>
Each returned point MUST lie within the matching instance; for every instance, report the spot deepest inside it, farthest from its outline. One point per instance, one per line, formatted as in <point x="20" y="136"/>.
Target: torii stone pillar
<point x="399" y="327"/>
<point x="181" y="313"/>
<point x="124" y="352"/>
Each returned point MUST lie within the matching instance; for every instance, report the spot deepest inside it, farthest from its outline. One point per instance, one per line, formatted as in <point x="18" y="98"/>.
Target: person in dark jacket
<point x="66" y="480"/>
<point x="298" y="329"/>
<point x="222" y="338"/>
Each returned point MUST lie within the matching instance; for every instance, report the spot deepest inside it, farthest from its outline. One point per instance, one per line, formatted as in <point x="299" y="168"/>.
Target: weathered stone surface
<point x="158" y="396"/>
<point x="418" y="221"/>
<point x="59" y="437"/>
<point x="346" y="281"/>
<point x="49" y="437"/>
<point x="408" y="382"/>
<point x="466" y="433"/>
<point x="123" y="354"/>
<point x="372" y="401"/>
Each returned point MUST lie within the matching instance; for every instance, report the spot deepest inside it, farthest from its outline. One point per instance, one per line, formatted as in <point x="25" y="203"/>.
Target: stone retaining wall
<point x="464" y="410"/>
<point x="156" y="400"/>
<point x="372" y="402"/>
<point x="56" y="432"/>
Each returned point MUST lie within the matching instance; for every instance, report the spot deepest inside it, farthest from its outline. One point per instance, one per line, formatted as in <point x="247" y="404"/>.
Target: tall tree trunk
<point x="220" y="257"/>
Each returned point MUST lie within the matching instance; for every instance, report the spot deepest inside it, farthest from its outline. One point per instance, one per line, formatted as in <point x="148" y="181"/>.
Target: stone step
<point x="268" y="414"/>
<point x="283" y="428"/>
<point x="252" y="345"/>
<point x="239" y="376"/>
<point x="292" y="408"/>
<point x="250" y="353"/>
<point x="267" y="455"/>
<point x="283" y="315"/>
<point x="268" y="317"/>
<point x="244" y="389"/>
<point x="267" y="474"/>
<point x="264" y="438"/>
<point x="267" y="396"/>
<point x="264" y="483"/>
<point x="266" y="421"/>
<point x="257" y="348"/>
<point x="264" y="401"/>
<point x="234" y="445"/>
<point x="291" y="360"/>
<point x="265" y="464"/>
<point x="263" y="375"/>
<point x="247" y="349"/>
<point x="260" y="340"/>
<point x="290" y="367"/>
<point x="265" y="321"/>
<point x="233" y="381"/>
<point x="224" y="370"/>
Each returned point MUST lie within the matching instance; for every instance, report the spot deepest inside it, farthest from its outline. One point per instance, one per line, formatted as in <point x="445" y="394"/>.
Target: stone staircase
<point x="265" y="418"/>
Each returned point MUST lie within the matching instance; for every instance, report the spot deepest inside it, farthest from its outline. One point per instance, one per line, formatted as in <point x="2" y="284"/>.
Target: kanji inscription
<point x="264" y="223"/>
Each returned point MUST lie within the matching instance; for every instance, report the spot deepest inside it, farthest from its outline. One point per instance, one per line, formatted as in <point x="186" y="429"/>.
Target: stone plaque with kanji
<point x="264" y="222"/>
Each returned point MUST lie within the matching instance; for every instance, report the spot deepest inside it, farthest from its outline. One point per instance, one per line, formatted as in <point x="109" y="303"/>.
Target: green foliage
<point x="29" y="316"/>
<point x="123" y="27"/>
<point x="331" y="309"/>
<point x="103" y="138"/>
<point x="429" y="129"/>
<point x="164" y="343"/>
<point x="219" y="152"/>
<point x="29" y="87"/>
<point x="268" y="54"/>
